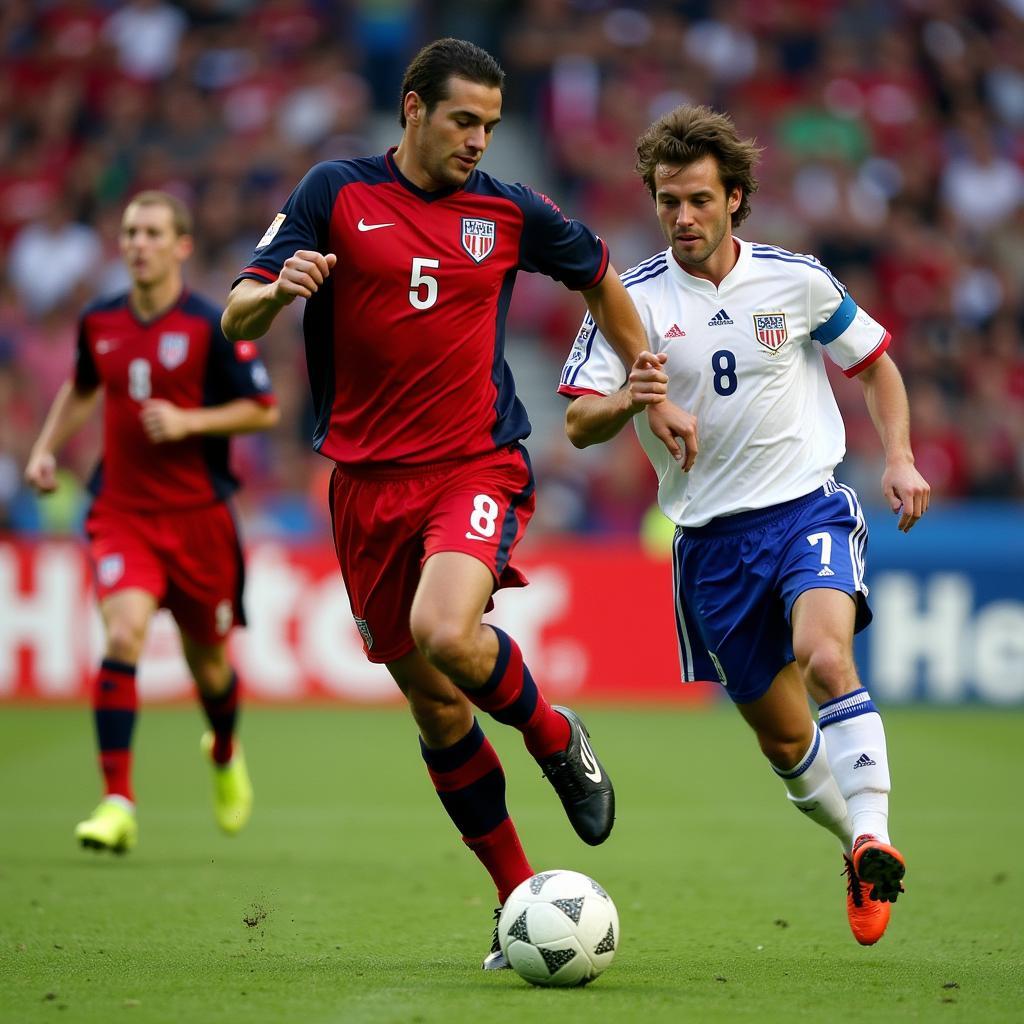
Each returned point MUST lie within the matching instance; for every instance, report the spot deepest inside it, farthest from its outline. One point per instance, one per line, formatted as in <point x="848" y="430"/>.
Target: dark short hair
<point x="690" y="133"/>
<point x="181" y="216"/>
<point x="431" y="69"/>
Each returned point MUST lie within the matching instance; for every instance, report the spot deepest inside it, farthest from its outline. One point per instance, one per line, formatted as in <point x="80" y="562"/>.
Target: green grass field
<point x="349" y="898"/>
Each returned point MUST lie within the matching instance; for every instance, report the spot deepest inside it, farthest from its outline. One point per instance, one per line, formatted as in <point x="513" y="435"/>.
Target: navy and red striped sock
<point x="511" y="697"/>
<point x="471" y="785"/>
<point x="115" y="703"/>
<point x="222" y="713"/>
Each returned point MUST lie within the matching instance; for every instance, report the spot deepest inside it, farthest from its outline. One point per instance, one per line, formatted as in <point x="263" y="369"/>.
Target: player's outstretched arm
<point x="70" y="409"/>
<point x="163" y="421"/>
<point x="591" y="419"/>
<point x="252" y="306"/>
<point x="904" y="488"/>
<point x="616" y="317"/>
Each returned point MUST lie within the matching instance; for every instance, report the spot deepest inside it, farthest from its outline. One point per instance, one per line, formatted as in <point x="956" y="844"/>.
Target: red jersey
<point x="405" y="342"/>
<point x="181" y="356"/>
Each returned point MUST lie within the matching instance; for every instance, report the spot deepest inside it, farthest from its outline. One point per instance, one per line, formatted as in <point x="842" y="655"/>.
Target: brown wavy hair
<point x="690" y="133"/>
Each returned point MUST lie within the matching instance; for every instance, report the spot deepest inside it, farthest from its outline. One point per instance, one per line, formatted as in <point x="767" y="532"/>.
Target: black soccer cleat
<point x="581" y="783"/>
<point x="495" y="959"/>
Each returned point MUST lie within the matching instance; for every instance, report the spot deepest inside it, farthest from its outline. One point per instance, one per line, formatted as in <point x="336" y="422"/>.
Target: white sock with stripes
<point x="812" y="789"/>
<point x="860" y="764"/>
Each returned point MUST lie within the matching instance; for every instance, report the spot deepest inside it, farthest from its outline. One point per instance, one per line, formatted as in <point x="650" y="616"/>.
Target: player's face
<point x="696" y="213"/>
<point x="450" y="142"/>
<point x="151" y="248"/>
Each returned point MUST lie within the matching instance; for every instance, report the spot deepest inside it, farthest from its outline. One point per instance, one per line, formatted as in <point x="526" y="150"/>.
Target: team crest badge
<point x="110" y="569"/>
<point x="172" y="349"/>
<point x="770" y="329"/>
<point x="478" y="237"/>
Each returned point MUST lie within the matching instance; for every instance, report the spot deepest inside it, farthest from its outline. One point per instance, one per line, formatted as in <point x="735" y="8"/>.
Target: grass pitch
<point x="349" y="898"/>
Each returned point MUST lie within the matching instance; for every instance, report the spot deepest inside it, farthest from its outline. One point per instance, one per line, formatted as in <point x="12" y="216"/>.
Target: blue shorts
<point x="736" y="580"/>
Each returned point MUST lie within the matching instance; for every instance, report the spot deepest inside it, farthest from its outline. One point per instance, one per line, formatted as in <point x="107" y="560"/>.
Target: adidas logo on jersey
<point x="675" y="331"/>
<point x="826" y="571"/>
<point x="863" y="762"/>
<point x="720" y="319"/>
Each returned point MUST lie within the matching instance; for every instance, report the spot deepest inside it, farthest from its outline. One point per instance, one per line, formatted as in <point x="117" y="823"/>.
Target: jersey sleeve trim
<point x="837" y="322"/>
<point x="251" y="272"/>
<point x="572" y="391"/>
<point x="870" y="358"/>
<point x="602" y="270"/>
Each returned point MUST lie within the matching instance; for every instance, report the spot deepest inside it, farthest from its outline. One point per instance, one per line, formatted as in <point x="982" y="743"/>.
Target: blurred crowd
<point x="893" y="135"/>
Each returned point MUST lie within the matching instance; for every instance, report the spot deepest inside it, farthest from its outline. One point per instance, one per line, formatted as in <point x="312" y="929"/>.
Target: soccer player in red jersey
<point x="160" y="530"/>
<point x="407" y="261"/>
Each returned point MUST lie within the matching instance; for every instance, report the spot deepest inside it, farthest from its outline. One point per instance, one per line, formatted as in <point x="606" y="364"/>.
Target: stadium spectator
<point x="50" y="258"/>
<point x="160" y="530"/>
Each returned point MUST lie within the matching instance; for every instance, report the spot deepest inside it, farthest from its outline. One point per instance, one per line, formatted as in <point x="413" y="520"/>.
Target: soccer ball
<point x="559" y="928"/>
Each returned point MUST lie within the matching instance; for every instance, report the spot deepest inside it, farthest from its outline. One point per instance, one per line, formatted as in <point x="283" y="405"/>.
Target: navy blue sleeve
<point x="553" y="244"/>
<point x="86" y="376"/>
<point x="234" y="368"/>
<point x="302" y="224"/>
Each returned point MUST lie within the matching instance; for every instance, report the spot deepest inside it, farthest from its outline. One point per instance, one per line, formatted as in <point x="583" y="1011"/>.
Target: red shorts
<point x="386" y="526"/>
<point x="190" y="561"/>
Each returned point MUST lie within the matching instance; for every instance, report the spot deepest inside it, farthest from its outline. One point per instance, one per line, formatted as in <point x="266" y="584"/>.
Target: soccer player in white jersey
<point x="768" y="555"/>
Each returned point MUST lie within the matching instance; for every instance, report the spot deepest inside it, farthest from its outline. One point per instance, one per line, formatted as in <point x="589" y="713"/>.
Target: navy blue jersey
<point x="405" y="342"/>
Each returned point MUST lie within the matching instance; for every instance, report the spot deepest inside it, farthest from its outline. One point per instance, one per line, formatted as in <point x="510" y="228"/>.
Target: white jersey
<point x="745" y="359"/>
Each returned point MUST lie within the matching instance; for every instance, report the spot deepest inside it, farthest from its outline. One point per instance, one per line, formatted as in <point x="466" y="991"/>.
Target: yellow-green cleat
<point x="232" y="788"/>
<point x="111" y="826"/>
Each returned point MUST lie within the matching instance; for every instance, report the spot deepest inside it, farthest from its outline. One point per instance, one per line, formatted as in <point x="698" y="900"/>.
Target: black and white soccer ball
<point x="559" y="928"/>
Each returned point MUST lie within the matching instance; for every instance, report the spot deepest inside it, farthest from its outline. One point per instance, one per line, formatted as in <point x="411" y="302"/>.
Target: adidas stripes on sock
<point x="857" y="754"/>
<point x="812" y="789"/>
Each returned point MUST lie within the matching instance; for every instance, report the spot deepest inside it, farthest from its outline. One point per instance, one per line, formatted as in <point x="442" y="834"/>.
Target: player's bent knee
<point x="829" y="672"/>
<point x="124" y="640"/>
<point x="446" y="646"/>
<point x="783" y="754"/>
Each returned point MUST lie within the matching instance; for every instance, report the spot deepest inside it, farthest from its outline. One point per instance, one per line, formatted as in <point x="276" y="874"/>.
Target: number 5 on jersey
<point x="423" y="287"/>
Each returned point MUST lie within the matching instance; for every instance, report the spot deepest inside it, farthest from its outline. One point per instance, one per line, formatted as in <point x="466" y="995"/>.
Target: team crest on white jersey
<point x="478" y="237"/>
<point x="770" y="329"/>
<point x="172" y="349"/>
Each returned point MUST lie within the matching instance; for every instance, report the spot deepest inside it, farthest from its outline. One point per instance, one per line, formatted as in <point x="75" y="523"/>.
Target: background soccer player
<point x="768" y="555"/>
<point x="160" y="529"/>
<point x="408" y="261"/>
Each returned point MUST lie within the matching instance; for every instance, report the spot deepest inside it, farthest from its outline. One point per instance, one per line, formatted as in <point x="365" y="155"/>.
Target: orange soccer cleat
<point x="868" y="918"/>
<point x="880" y="865"/>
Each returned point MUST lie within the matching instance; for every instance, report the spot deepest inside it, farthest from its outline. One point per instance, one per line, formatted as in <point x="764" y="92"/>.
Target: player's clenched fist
<point x="648" y="383"/>
<point x="302" y="275"/>
<point x="41" y="472"/>
<point x="163" y="421"/>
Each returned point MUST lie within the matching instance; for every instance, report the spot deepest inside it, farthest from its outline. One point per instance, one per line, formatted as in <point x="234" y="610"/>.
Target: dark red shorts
<point x="386" y="526"/>
<point x="190" y="561"/>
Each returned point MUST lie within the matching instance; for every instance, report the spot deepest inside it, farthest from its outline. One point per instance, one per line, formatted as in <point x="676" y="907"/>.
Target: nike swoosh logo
<point x="363" y="226"/>
<point x="590" y="766"/>
<point x="473" y="536"/>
